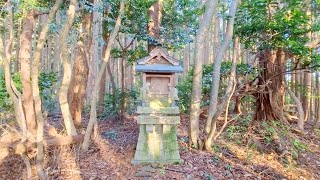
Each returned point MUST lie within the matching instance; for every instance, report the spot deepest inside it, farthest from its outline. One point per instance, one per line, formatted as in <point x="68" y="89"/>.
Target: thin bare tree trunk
<point x="216" y="37"/>
<point x="6" y="54"/>
<point x="101" y="93"/>
<point x="93" y="110"/>
<point x="154" y="24"/>
<point x="17" y="62"/>
<point x="186" y="59"/>
<point x="224" y="105"/>
<point x="297" y="82"/>
<point x="317" y="120"/>
<point x="25" y="55"/>
<point x="206" y="48"/>
<point x="122" y="101"/>
<point x="211" y="6"/>
<point x="299" y="108"/>
<point x="35" y="88"/>
<point x="237" y="105"/>
<point x="217" y="65"/>
<point x="94" y="60"/>
<point x="67" y="70"/>
<point x="307" y="81"/>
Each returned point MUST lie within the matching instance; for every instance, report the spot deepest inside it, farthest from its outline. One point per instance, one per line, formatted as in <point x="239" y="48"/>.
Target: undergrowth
<point x="266" y="137"/>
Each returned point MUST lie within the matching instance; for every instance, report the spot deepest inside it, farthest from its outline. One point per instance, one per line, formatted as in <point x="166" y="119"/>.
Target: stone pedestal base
<point x="157" y="142"/>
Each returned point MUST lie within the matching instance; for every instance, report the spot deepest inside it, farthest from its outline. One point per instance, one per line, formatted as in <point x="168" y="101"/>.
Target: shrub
<point x="112" y="103"/>
<point x="46" y="81"/>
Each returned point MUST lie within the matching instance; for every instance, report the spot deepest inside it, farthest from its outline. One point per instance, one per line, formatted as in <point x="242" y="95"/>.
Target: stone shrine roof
<point x="159" y="60"/>
<point x="159" y="68"/>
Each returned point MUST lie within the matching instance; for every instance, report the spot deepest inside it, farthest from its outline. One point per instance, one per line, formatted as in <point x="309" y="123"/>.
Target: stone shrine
<point x="158" y="114"/>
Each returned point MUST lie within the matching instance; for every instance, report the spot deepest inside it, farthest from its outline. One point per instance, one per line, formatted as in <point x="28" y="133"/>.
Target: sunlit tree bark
<point x="67" y="70"/>
<point x="93" y="110"/>
<point x="210" y="6"/>
<point x="25" y="55"/>
<point x="35" y="87"/>
<point x="217" y="65"/>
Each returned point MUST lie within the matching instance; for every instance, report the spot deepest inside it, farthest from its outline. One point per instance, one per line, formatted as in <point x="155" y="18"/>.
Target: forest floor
<point x="110" y="155"/>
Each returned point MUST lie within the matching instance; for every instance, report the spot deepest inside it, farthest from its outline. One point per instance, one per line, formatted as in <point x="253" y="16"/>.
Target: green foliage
<point x="112" y="103"/>
<point x="266" y="25"/>
<point x="185" y="85"/>
<point x="132" y="55"/>
<point x="5" y="102"/>
<point x="178" y="23"/>
<point x="297" y="147"/>
<point x="135" y="54"/>
<point x="46" y="81"/>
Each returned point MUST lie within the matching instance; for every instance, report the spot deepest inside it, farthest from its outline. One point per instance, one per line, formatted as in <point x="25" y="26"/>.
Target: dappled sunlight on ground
<point x="110" y="155"/>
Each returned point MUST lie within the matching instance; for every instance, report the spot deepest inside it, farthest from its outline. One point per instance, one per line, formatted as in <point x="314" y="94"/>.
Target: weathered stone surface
<point x="157" y="147"/>
<point x="166" y="128"/>
<point x="143" y="174"/>
<point x="148" y="169"/>
<point x="145" y="119"/>
<point x="158" y="113"/>
<point x="159" y="110"/>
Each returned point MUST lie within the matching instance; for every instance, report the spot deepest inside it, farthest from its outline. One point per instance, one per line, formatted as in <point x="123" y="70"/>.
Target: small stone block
<point x="149" y="169"/>
<point x="166" y="128"/>
<point x="160" y="110"/>
<point x="158" y="128"/>
<point x="143" y="174"/>
<point x="158" y="119"/>
<point x="150" y="128"/>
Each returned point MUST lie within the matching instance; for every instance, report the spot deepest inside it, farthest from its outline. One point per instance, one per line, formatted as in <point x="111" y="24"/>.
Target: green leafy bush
<point x="185" y="85"/>
<point x="112" y="103"/>
<point x="46" y="80"/>
<point x="5" y="102"/>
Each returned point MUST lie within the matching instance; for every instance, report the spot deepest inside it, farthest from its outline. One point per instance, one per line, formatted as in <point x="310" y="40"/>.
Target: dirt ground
<point x="110" y="155"/>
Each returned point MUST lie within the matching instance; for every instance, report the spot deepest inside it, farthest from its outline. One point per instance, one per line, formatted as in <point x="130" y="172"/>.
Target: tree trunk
<point x="25" y="55"/>
<point x="122" y="101"/>
<point x="186" y="60"/>
<point x="101" y="92"/>
<point x="94" y="60"/>
<point x="93" y="110"/>
<point x="269" y="102"/>
<point x="154" y="24"/>
<point x="299" y="108"/>
<point x="15" y="95"/>
<point x="297" y="82"/>
<point x="225" y="103"/>
<point x="237" y="105"/>
<point x="110" y="74"/>
<point x="197" y="74"/>
<point x="78" y="85"/>
<point x="317" y="120"/>
<point x="16" y="65"/>
<point x="217" y="65"/>
<point x="216" y="37"/>
<point x="102" y="88"/>
<point x="206" y="45"/>
<point x="293" y="79"/>
<point x="35" y="87"/>
<point x="307" y="93"/>
<point x="67" y="70"/>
